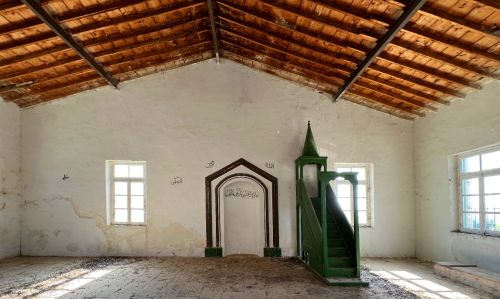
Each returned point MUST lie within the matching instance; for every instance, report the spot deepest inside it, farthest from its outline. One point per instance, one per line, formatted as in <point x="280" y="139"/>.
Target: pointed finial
<point x="310" y="148"/>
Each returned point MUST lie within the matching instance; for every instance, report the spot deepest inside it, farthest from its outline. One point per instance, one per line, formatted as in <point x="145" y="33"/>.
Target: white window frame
<point x="110" y="196"/>
<point x="480" y="175"/>
<point x="368" y="182"/>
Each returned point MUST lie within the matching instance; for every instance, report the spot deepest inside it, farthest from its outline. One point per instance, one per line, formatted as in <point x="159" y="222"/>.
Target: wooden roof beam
<point x="340" y="76"/>
<point x="199" y="22"/>
<point x="410" y="28"/>
<point x="428" y="10"/>
<point x="408" y="47"/>
<point x="69" y="40"/>
<point x="384" y="56"/>
<point x="120" y="50"/>
<point x="346" y="44"/>
<point x="215" y="39"/>
<point x="105" y="23"/>
<point x="323" y="39"/>
<point x="381" y="44"/>
<point x="325" y="78"/>
<point x="70" y="15"/>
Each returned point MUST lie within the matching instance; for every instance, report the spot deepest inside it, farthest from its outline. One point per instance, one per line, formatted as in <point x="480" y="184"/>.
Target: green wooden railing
<point x="311" y="232"/>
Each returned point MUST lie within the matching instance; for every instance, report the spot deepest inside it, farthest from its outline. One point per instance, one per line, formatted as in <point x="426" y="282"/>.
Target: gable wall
<point x="178" y="122"/>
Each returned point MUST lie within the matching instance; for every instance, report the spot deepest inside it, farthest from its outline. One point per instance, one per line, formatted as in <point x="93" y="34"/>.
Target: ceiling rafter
<point x="399" y="43"/>
<point x="199" y="22"/>
<point x="104" y="23"/>
<point x="410" y="28"/>
<point x="380" y="46"/>
<point x="69" y="40"/>
<point x="134" y="46"/>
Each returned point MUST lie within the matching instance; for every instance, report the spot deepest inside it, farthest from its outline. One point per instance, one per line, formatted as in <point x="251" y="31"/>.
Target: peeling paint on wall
<point x="9" y="179"/>
<point x="177" y="121"/>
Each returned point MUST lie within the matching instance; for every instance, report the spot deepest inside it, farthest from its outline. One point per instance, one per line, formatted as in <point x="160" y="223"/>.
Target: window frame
<point x="111" y="179"/>
<point x="480" y="175"/>
<point x="368" y="182"/>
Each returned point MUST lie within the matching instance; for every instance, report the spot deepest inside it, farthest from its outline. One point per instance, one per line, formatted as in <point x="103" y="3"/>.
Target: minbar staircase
<point x="326" y="241"/>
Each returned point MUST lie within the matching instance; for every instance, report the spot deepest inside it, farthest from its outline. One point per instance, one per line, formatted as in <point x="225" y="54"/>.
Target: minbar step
<point x="345" y="282"/>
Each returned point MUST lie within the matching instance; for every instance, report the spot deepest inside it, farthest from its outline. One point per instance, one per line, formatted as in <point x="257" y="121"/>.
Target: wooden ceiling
<point x="446" y="48"/>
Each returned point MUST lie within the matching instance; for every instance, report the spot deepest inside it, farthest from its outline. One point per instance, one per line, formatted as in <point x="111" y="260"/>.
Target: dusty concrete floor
<point x="232" y="277"/>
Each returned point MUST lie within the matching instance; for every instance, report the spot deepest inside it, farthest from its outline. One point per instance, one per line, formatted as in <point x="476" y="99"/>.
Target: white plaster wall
<point x="178" y="122"/>
<point x="9" y="180"/>
<point x="463" y="126"/>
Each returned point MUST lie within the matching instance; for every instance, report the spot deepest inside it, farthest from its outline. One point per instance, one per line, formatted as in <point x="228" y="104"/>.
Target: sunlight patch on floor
<point x="419" y="286"/>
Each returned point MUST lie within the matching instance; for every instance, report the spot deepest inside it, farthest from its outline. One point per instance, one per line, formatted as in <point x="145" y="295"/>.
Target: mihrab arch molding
<point x="216" y="250"/>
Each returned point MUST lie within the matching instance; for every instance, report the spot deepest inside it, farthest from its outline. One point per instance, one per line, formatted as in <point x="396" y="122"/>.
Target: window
<point x="479" y="190"/>
<point x="343" y="191"/>
<point x="126" y="192"/>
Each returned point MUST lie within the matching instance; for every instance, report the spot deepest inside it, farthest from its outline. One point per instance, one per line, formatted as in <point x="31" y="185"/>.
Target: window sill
<point x="128" y="225"/>
<point x="481" y="235"/>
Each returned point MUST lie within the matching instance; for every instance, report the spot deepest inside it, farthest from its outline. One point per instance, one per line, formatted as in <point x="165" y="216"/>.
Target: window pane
<point x="137" y="216"/>
<point x="492" y="184"/>
<point x="121" y="188"/>
<point x="490" y="160"/>
<point x="361" y="173"/>
<point x="121" y="216"/>
<point x="344" y="190"/>
<point x="345" y="203"/>
<point x="137" y="202"/>
<point x="471" y="221"/>
<point x="470" y="164"/>
<point x="137" y="188"/>
<point x="471" y="203"/>
<point x="470" y="186"/>
<point x="343" y="169"/>
<point x="121" y="171"/>
<point x="348" y="214"/>
<point x="492" y="222"/>
<point x="361" y="190"/>
<point x="492" y="203"/>
<point x="136" y="171"/>
<point x="362" y="217"/>
<point x="361" y="203"/>
<point x="120" y="202"/>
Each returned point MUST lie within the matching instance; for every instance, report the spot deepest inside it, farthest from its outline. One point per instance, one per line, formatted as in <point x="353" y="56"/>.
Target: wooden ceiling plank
<point x="490" y="3"/>
<point x="301" y="45"/>
<point x="380" y="46"/>
<point x="70" y="15"/>
<point x="300" y="42"/>
<point x="360" y="94"/>
<point x="298" y="56"/>
<point x="412" y="29"/>
<point x="436" y="73"/>
<point x="259" y="56"/>
<point x="418" y="81"/>
<point x="406" y="89"/>
<point x="197" y="23"/>
<point x="395" y="96"/>
<point x="345" y="44"/>
<point x="69" y="40"/>
<point x="425" y="51"/>
<point x="298" y="13"/>
<point x="105" y="23"/>
<point x="35" y="69"/>
<point x="396" y="42"/>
